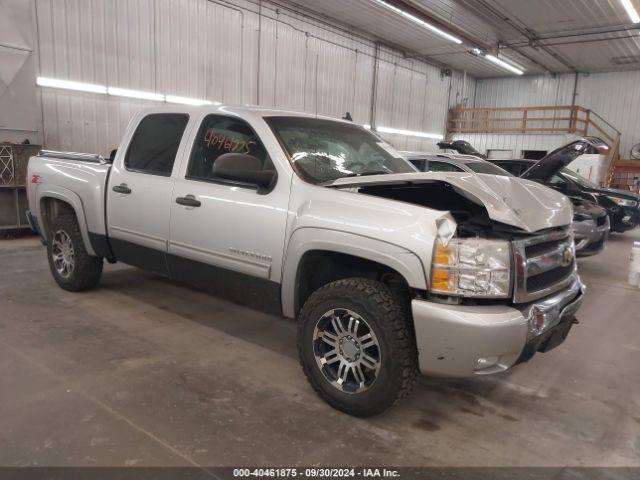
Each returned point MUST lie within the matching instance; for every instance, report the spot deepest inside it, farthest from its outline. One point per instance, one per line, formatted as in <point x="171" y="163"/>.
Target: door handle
<point x="188" y="201"/>
<point x="122" y="188"/>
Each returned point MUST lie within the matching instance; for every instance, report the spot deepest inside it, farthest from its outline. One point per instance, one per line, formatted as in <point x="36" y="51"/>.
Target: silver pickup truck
<point x="388" y="272"/>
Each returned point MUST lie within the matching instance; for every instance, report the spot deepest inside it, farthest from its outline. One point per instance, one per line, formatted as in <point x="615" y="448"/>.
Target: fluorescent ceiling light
<point x="409" y="133"/>
<point x="69" y="85"/>
<point x="419" y="21"/>
<point x="120" y="92"/>
<point x="631" y="11"/>
<point x="187" y="100"/>
<point x="503" y="64"/>
<point x="123" y="92"/>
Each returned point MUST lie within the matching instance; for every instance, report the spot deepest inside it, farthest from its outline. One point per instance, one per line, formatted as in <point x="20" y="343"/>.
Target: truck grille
<point x="548" y="278"/>
<point x="544" y="265"/>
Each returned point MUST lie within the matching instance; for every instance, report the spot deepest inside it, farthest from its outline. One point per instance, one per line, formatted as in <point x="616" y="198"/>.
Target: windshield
<point x="325" y="150"/>
<point x="579" y="179"/>
<point x="486" y="167"/>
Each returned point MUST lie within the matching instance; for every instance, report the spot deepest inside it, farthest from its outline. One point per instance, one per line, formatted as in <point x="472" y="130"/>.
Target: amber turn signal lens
<point x="441" y="255"/>
<point x="440" y="279"/>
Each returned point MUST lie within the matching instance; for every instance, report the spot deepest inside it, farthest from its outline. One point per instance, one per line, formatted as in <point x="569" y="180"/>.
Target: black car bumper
<point x="624" y="219"/>
<point x="548" y="340"/>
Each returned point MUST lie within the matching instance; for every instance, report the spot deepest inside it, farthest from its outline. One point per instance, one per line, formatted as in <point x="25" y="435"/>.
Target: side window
<point x="558" y="181"/>
<point x="154" y="144"/>
<point x="435" y="166"/>
<point x="419" y="164"/>
<point x="523" y="167"/>
<point x="514" y="168"/>
<point x="219" y="135"/>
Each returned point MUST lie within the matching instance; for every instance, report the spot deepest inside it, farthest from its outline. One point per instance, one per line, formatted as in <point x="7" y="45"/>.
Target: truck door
<point x="225" y="236"/>
<point x="139" y="191"/>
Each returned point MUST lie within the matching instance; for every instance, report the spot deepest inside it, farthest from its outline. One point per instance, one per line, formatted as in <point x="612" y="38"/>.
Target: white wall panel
<point x="462" y="91"/>
<point x="614" y="96"/>
<point x="233" y="51"/>
<point x="521" y="91"/>
<point x="20" y="116"/>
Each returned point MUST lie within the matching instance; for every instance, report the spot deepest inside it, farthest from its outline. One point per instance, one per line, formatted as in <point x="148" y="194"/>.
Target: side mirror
<point x="243" y="168"/>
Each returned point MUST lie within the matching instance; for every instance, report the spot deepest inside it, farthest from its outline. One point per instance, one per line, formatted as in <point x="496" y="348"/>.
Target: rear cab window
<point x="154" y="145"/>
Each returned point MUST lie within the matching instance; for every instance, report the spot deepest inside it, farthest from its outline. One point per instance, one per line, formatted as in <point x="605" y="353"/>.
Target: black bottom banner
<point x="320" y="473"/>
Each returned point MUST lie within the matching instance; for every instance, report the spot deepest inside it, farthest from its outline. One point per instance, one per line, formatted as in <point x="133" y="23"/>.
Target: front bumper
<point x="462" y="341"/>
<point x="626" y="218"/>
<point x="589" y="237"/>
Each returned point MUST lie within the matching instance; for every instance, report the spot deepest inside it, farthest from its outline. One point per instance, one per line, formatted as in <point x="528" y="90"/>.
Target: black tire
<point x="386" y="315"/>
<point x="87" y="270"/>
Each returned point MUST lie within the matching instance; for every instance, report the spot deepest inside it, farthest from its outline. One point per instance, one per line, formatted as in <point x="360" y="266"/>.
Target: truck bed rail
<point x="82" y="157"/>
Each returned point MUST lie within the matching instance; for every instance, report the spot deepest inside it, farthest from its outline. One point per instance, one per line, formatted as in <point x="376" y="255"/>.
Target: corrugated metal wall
<point x="520" y="91"/>
<point x="236" y="52"/>
<point x="614" y="96"/>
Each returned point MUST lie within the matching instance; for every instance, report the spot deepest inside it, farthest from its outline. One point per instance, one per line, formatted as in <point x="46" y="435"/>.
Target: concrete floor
<point x="144" y="371"/>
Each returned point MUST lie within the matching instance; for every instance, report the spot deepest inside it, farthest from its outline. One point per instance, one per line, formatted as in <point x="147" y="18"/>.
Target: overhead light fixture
<point x="409" y="133"/>
<point x="187" y="100"/>
<point x="419" y="21"/>
<point x="120" y="92"/>
<point x="631" y="11"/>
<point x="69" y="85"/>
<point x="123" y="92"/>
<point x="503" y="64"/>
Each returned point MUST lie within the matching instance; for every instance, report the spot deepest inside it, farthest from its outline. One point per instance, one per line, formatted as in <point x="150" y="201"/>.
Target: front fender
<point x="73" y="199"/>
<point x="303" y="240"/>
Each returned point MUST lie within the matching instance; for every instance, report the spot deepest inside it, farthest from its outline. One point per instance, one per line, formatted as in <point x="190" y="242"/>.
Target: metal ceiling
<point x="542" y="36"/>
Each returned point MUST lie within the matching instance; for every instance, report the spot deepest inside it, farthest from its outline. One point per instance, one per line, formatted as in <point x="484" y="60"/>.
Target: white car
<point x="388" y="272"/>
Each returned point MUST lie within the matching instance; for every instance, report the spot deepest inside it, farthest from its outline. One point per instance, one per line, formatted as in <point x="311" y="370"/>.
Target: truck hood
<point x="553" y="162"/>
<point x="520" y="203"/>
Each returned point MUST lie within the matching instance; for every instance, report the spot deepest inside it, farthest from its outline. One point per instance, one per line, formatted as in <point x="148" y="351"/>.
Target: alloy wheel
<point x="346" y="350"/>
<point x="63" y="254"/>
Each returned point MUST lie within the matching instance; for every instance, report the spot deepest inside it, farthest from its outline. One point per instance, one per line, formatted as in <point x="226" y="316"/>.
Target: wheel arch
<point x="315" y="257"/>
<point x="52" y="203"/>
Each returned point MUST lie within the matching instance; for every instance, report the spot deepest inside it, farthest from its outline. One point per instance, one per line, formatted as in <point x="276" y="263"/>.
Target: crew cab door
<point x="139" y="191"/>
<point x="227" y="236"/>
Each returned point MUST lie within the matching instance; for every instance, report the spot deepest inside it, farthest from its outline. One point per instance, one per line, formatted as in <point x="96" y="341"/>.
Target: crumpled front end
<point x="463" y="341"/>
<point x="476" y="338"/>
<point x="522" y="204"/>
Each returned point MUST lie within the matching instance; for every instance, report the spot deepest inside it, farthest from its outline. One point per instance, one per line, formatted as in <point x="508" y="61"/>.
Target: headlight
<point x="471" y="267"/>
<point x="623" y="202"/>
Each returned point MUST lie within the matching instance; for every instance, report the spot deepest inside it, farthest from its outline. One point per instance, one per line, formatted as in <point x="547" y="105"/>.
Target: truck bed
<point x="78" y="178"/>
